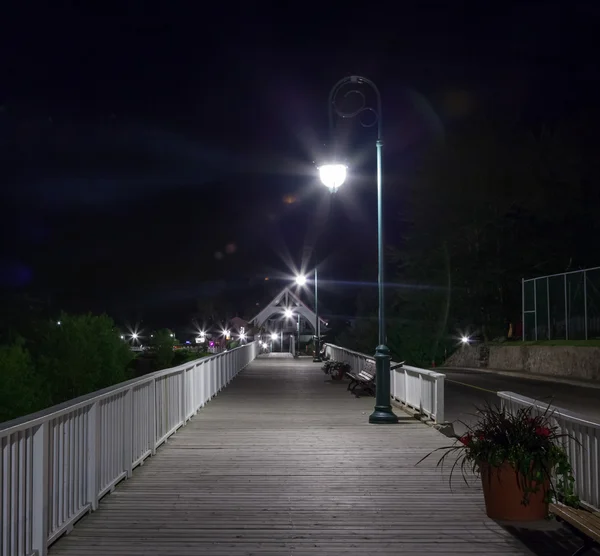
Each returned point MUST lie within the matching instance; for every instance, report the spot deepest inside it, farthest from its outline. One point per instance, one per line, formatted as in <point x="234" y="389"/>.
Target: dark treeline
<point x="494" y="202"/>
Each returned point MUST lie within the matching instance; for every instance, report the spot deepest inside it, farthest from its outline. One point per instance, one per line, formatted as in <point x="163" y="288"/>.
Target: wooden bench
<point x="584" y="523"/>
<point x="364" y="378"/>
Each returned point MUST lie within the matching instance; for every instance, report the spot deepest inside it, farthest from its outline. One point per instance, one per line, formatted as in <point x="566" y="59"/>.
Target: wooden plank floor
<point x="283" y="462"/>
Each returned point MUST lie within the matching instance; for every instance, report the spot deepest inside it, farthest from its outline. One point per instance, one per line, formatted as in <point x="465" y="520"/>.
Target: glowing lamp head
<point x="242" y="336"/>
<point x="465" y="340"/>
<point x="274" y="336"/>
<point x="333" y="175"/>
<point x="301" y="280"/>
<point x="135" y="336"/>
<point x="288" y="313"/>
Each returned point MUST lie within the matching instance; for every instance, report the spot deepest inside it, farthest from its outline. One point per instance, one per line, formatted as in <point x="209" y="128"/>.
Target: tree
<point x="21" y="389"/>
<point x="82" y="354"/>
<point x="483" y="213"/>
<point x="162" y="344"/>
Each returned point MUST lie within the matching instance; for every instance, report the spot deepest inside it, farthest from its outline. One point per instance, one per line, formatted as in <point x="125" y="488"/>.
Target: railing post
<point x="182" y="411"/>
<point x="439" y="399"/>
<point x="93" y="455"/>
<point x="128" y="418"/>
<point x="40" y="489"/>
<point x="152" y="416"/>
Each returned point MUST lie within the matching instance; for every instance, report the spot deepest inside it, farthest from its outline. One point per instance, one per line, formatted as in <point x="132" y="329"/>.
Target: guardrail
<point x="584" y="452"/>
<point x="418" y="389"/>
<point x="56" y="464"/>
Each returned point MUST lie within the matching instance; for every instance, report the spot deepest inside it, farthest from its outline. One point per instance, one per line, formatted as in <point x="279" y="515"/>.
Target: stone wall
<point x="564" y="361"/>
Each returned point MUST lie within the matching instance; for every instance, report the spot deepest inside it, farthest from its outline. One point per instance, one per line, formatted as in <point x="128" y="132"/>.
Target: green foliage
<point x="530" y="444"/>
<point x="60" y="362"/>
<point x="21" y="390"/>
<point x="481" y="215"/>
<point x="162" y="347"/>
<point x="183" y="356"/>
<point x="337" y="369"/>
<point x="81" y="355"/>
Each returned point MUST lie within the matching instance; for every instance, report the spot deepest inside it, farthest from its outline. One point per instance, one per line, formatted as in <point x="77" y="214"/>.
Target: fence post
<point x="93" y="456"/>
<point x="439" y="399"/>
<point x="523" y="308"/>
<point x="566" y="310"/>
<point x="39" y="532"/>
<point x="535" y="308"/>
<point x="548" y="305"/>
<point x="182" y="411"/>
<point x="585" y="323"/>
<point x="128" y="418"/>
<point x="152" y="416"/>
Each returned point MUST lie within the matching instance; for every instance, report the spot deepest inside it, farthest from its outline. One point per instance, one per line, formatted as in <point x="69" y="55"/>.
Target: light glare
<point x="288" y="313"/>
<point x="274" y="336"/>
<point x="333" y="175"/>
<point x="465" y="340"/>
<point x="301" y="280"/>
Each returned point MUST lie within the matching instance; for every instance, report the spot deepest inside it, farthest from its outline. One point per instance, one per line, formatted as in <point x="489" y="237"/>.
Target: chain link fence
<point x="562" y="306"/>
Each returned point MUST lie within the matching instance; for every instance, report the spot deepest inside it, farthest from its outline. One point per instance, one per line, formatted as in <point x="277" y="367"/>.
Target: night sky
<point x="153" y="156"/>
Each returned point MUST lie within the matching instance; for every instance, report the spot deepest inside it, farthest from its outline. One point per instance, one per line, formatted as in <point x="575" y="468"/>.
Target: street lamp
<point x="333" y="176"/>
<point x="301" y="281"/>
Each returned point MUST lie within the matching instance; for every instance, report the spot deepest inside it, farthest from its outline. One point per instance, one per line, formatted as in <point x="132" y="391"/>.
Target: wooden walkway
<point x="283" y="462"/>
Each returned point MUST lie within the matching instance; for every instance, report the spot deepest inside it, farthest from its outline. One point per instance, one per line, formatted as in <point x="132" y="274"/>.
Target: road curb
<point x="541" y="378"/>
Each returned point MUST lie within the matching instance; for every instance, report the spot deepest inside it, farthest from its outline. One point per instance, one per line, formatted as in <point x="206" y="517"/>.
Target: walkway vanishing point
<point x="284" y="462"/>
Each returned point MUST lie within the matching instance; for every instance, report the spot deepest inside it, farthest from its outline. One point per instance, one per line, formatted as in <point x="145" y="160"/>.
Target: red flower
<point x="542" y="431"/>
<point x="466" y="439"/>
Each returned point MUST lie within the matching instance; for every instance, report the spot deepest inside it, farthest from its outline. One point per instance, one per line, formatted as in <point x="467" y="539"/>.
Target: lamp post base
<point x="382" y="414"/>
<point x="317" y="357"/>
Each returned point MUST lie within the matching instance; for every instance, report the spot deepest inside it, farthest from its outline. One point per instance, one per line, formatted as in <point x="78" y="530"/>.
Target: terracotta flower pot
<point x="503" y="494"/>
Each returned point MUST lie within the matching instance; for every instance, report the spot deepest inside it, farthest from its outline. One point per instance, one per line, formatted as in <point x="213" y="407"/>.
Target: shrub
<point x="21" y="390"/>
<point x="81" y="355"/>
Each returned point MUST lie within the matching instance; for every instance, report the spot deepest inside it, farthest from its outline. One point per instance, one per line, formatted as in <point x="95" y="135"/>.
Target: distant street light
<point x="301" y="281"/>
<point x="465" y="339"/>
<point x="288" y="313"/>
<point x="333" y="176"/>
<point x="274" y="336"/>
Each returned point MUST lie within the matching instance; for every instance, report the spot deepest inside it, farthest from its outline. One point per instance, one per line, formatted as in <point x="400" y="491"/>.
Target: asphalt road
<point x="466" y="389"/>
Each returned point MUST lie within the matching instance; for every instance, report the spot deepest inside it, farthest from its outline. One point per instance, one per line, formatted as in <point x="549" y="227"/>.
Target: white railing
<point x="583" y="444"/>
<point x="56" y="464"/>
<point x="418" y="389"/>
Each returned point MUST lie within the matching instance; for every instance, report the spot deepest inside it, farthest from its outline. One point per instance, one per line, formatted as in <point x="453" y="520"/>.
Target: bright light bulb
<point x="465" y="339"/>
<point x="134" y="336"/>
<point x="242" y="336"/>
<point x="301" y="280"/>
<point x="274" y="336"/>
<point x="288" y="313"/>
<point x="333" y="175"/>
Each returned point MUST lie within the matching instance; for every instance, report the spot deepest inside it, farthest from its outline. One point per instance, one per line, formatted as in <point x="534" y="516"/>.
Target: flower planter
<point x="503" y="493"/>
